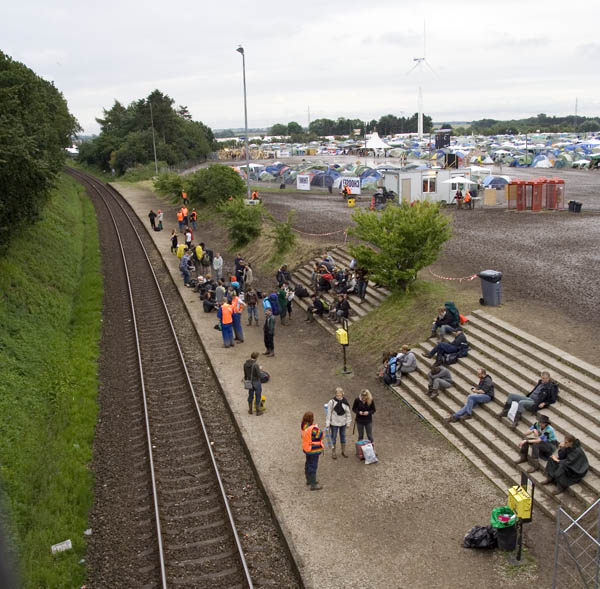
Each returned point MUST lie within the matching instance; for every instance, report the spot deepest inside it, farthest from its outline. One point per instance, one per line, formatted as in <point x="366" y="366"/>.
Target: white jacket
<point x="338" y="420"/>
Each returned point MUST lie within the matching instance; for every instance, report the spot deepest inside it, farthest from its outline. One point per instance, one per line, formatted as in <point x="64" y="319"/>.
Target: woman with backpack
<point x="338" y="418"/>
<point x="364" y="407"/>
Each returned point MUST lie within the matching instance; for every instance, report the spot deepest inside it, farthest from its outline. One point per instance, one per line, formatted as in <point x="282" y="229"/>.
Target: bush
<point x="168" y="184"/>
<point x="141" y="172"/>
<point x="243" y="222"/>
<point x="283" y="236"/>
<point x="214" y="184"/>
<point x="406" y="238"/>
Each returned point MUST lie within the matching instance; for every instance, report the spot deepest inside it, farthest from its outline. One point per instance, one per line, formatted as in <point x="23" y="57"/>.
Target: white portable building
<point x="425" y="184"/>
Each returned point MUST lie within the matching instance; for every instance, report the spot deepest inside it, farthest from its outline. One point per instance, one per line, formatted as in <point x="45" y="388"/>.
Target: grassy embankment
<point x="406" y="318"/>
<point x="50" y="317"/>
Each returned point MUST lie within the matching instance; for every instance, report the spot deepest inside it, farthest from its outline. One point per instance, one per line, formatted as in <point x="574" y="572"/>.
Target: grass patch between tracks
<point x="49" y="341"/>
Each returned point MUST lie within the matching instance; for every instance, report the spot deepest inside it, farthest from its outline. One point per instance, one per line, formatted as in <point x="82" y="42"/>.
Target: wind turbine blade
<point x="433" y="71"/>
<point x="413" y="68"/>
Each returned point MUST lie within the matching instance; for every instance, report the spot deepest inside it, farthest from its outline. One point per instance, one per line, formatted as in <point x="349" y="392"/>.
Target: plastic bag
<point x="369" y="454"/>
<point x="512" y="412"/>
<point x="504" y="510"/>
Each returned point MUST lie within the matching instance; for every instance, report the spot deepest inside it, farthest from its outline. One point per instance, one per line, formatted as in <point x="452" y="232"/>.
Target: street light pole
<point x="240" y="50"/>
<point x="153" y="140"/>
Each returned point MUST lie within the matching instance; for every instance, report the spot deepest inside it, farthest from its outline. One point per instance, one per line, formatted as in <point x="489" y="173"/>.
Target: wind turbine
<point x="419" y="66"/>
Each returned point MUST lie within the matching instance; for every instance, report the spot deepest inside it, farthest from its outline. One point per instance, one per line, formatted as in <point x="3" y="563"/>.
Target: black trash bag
<point x="481" y="537"/>
<point x="264" y="376"/>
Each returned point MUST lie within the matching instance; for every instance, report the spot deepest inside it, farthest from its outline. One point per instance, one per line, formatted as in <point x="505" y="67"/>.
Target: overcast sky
<point x="506" y="59"/>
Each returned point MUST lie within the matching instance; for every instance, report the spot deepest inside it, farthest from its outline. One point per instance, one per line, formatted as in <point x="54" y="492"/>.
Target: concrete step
<point x="515" y="378"/>
<point x="572" y="367"/>
<point x="501" y="472"/>
<point x="463" y="377"/>
<point x="324" y="323"/>
<point x="345" y="256"/>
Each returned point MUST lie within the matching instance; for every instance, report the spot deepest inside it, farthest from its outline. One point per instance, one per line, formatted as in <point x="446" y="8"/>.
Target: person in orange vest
<point x="237" y="306"/>
<point x="180" y="220"/>
<point x="225" y="315"/>
<point x="346" y="192"/>
<point x="254" y="195"/>
<point x="312" y="445"/>
<point x="184" y="210"/>
<point x="468" y="199"/>
<point x="193" y="218"/>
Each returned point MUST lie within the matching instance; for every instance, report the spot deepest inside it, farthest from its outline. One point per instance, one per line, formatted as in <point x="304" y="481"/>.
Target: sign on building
<point x="303" y="182"/>
<point x="353" y="184"/>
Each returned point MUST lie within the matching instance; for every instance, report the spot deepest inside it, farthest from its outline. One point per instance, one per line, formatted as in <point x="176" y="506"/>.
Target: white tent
<point x="375" y="142"/>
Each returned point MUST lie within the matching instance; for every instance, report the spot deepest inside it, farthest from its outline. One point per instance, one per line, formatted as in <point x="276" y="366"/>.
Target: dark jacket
<point x="282" y="276"/>
<point x="571" y="468"/>
<point x="548" y="394"/>
<point x="269" y="325"/>
<point x="360" y="405"/>
<point x="343" y="306"/>
<point x="447" y="319"/>
<point x="251" y="370"/>
<point x="251" y="299"/>
<point x="486" y="385"/>
<point x="317" y="307"/>
<point x="460" y="340"/>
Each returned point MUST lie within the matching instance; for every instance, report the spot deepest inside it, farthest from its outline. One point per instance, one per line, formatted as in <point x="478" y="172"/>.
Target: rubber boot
<point x="307" y="478"/>
<point x="333" y="454"/>
<point x="249" y="407"/>
<point x="259" y="411"/>
<point x="314" y="484"/>
<point x="344" y="450"/>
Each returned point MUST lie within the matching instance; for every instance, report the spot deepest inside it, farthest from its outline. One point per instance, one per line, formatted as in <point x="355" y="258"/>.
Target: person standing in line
<point x="251" y="301"/>
<point x="193" y="217"/>
<point x="180" y="220"/>
<point x="290" y="297"/>
<point x="225" y="315"/>
<point x="339" y="419"/>
<point x="238" y="306"/>
<point x="188" y="237"/>
<point x="152" y="217"/>
<point x="269" y="332"/>
<point x="364" y="407"/>
<point x="248" y="276"/>
<point x="220" y="293"/>
<point x="218" y="267"/>
<point x="282" y="300"/>
<point x="312" y="445"/>
<point x="184" y="268"/>
<point x="160" y="217"/>
<point x="174" y="241"/>
<point x="184" y="210"/>
<point x="361" y="284"/>
<point x="252" y="375"/>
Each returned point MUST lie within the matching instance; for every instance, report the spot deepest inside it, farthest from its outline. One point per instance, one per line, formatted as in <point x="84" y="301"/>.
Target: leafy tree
<point x="243" y="222"/>
<point x="214" y="184"/>
<point x="400" y="241"/>
<point x="283" y="235"/>
<point x="35" y="129"/>
<point x="168" y="184"/>
<point x="294" y="128"/>
<point x="278" y="129"/>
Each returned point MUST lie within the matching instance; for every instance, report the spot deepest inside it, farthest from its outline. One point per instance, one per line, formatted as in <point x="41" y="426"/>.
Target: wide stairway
<point x="374" y="297"/>
<point x="514" y="359"/>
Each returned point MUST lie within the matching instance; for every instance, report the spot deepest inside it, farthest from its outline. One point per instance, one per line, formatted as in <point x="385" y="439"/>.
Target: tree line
<point x="35" y="129"/>
<point x="128" y="135"/>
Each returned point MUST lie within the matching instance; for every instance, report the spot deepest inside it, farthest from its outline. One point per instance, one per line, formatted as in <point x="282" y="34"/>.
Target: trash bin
<point x="490" y="287"/>
<point x="577" y="207"/>
<point x="571" y="206"/>
<point x="506" y="530"/>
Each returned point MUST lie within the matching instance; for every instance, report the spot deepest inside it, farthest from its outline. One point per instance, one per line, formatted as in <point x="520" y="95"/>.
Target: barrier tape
<point x="318" y="234"/>
<point x="448" y="278"/>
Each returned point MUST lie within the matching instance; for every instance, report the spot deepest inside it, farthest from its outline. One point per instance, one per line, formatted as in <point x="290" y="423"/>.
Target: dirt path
<point x="399" y="523"/>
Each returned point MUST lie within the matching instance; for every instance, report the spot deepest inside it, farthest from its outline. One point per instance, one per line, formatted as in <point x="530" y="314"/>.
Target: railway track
<point x="196" y="542"/>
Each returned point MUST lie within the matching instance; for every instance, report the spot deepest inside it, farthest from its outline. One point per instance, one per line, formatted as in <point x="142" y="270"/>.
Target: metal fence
<point x="577" y="549"/>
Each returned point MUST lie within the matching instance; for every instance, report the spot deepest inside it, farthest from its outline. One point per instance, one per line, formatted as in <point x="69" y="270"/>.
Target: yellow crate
<point x="520" y="502"/>
<point x="341" y="336"/>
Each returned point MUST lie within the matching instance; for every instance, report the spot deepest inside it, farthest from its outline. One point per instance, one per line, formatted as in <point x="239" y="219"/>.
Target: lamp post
<point x="153" y="140"/>
<point x="240" y="50"/>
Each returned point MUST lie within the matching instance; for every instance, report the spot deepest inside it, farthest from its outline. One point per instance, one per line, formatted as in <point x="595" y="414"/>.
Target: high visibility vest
<point x="193" y="215"/>
<point x="179" y="216"/>
<point x="308" y="444"/>
<point x="237" y="305"/>
<point x="184" y="195"/>
<point x="184" y="211"/>
<point x="226" y="314"/>
<point x="255" y="194"/>
<point x="468" y="197"/>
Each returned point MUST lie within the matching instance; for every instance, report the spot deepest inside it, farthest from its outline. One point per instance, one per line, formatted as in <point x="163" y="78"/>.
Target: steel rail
<point x="117" y="198"/>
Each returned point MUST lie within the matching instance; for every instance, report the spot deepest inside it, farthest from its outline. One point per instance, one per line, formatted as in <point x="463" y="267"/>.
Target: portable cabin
<point x="424" y="184"/>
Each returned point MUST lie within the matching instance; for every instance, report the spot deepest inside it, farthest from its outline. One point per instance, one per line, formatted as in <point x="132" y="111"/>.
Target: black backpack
<point x="301" y="291"/>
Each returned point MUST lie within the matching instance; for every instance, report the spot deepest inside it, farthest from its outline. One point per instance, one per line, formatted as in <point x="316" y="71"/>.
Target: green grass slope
<point x="50" y="318"/>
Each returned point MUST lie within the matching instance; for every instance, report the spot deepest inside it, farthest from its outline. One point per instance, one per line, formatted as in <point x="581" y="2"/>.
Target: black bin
<point x="577" y="207"/>
<point x="490" y="287"/>
<point x="507" y="538"/>
<point x="571" y="206"/>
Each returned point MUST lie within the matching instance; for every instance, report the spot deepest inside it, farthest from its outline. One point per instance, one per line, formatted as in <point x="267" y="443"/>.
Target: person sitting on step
<point x="482" y="392"/>
<point x="542" y="440"/>
<point x="406" y="361"/>
<point x="317" y="308"/>
<point x="543" y="394"/>
<point x="439" y="377"/>
<point x="569" y="467"/>
<point x="458" y="345"/>
<point x="447" y="320"/>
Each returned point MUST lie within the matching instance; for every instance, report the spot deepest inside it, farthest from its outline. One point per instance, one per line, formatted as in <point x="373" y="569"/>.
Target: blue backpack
<point x="274" y="303"/>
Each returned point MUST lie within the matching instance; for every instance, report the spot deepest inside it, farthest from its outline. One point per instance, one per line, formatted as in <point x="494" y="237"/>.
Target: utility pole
<point x="240" y="49"/>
